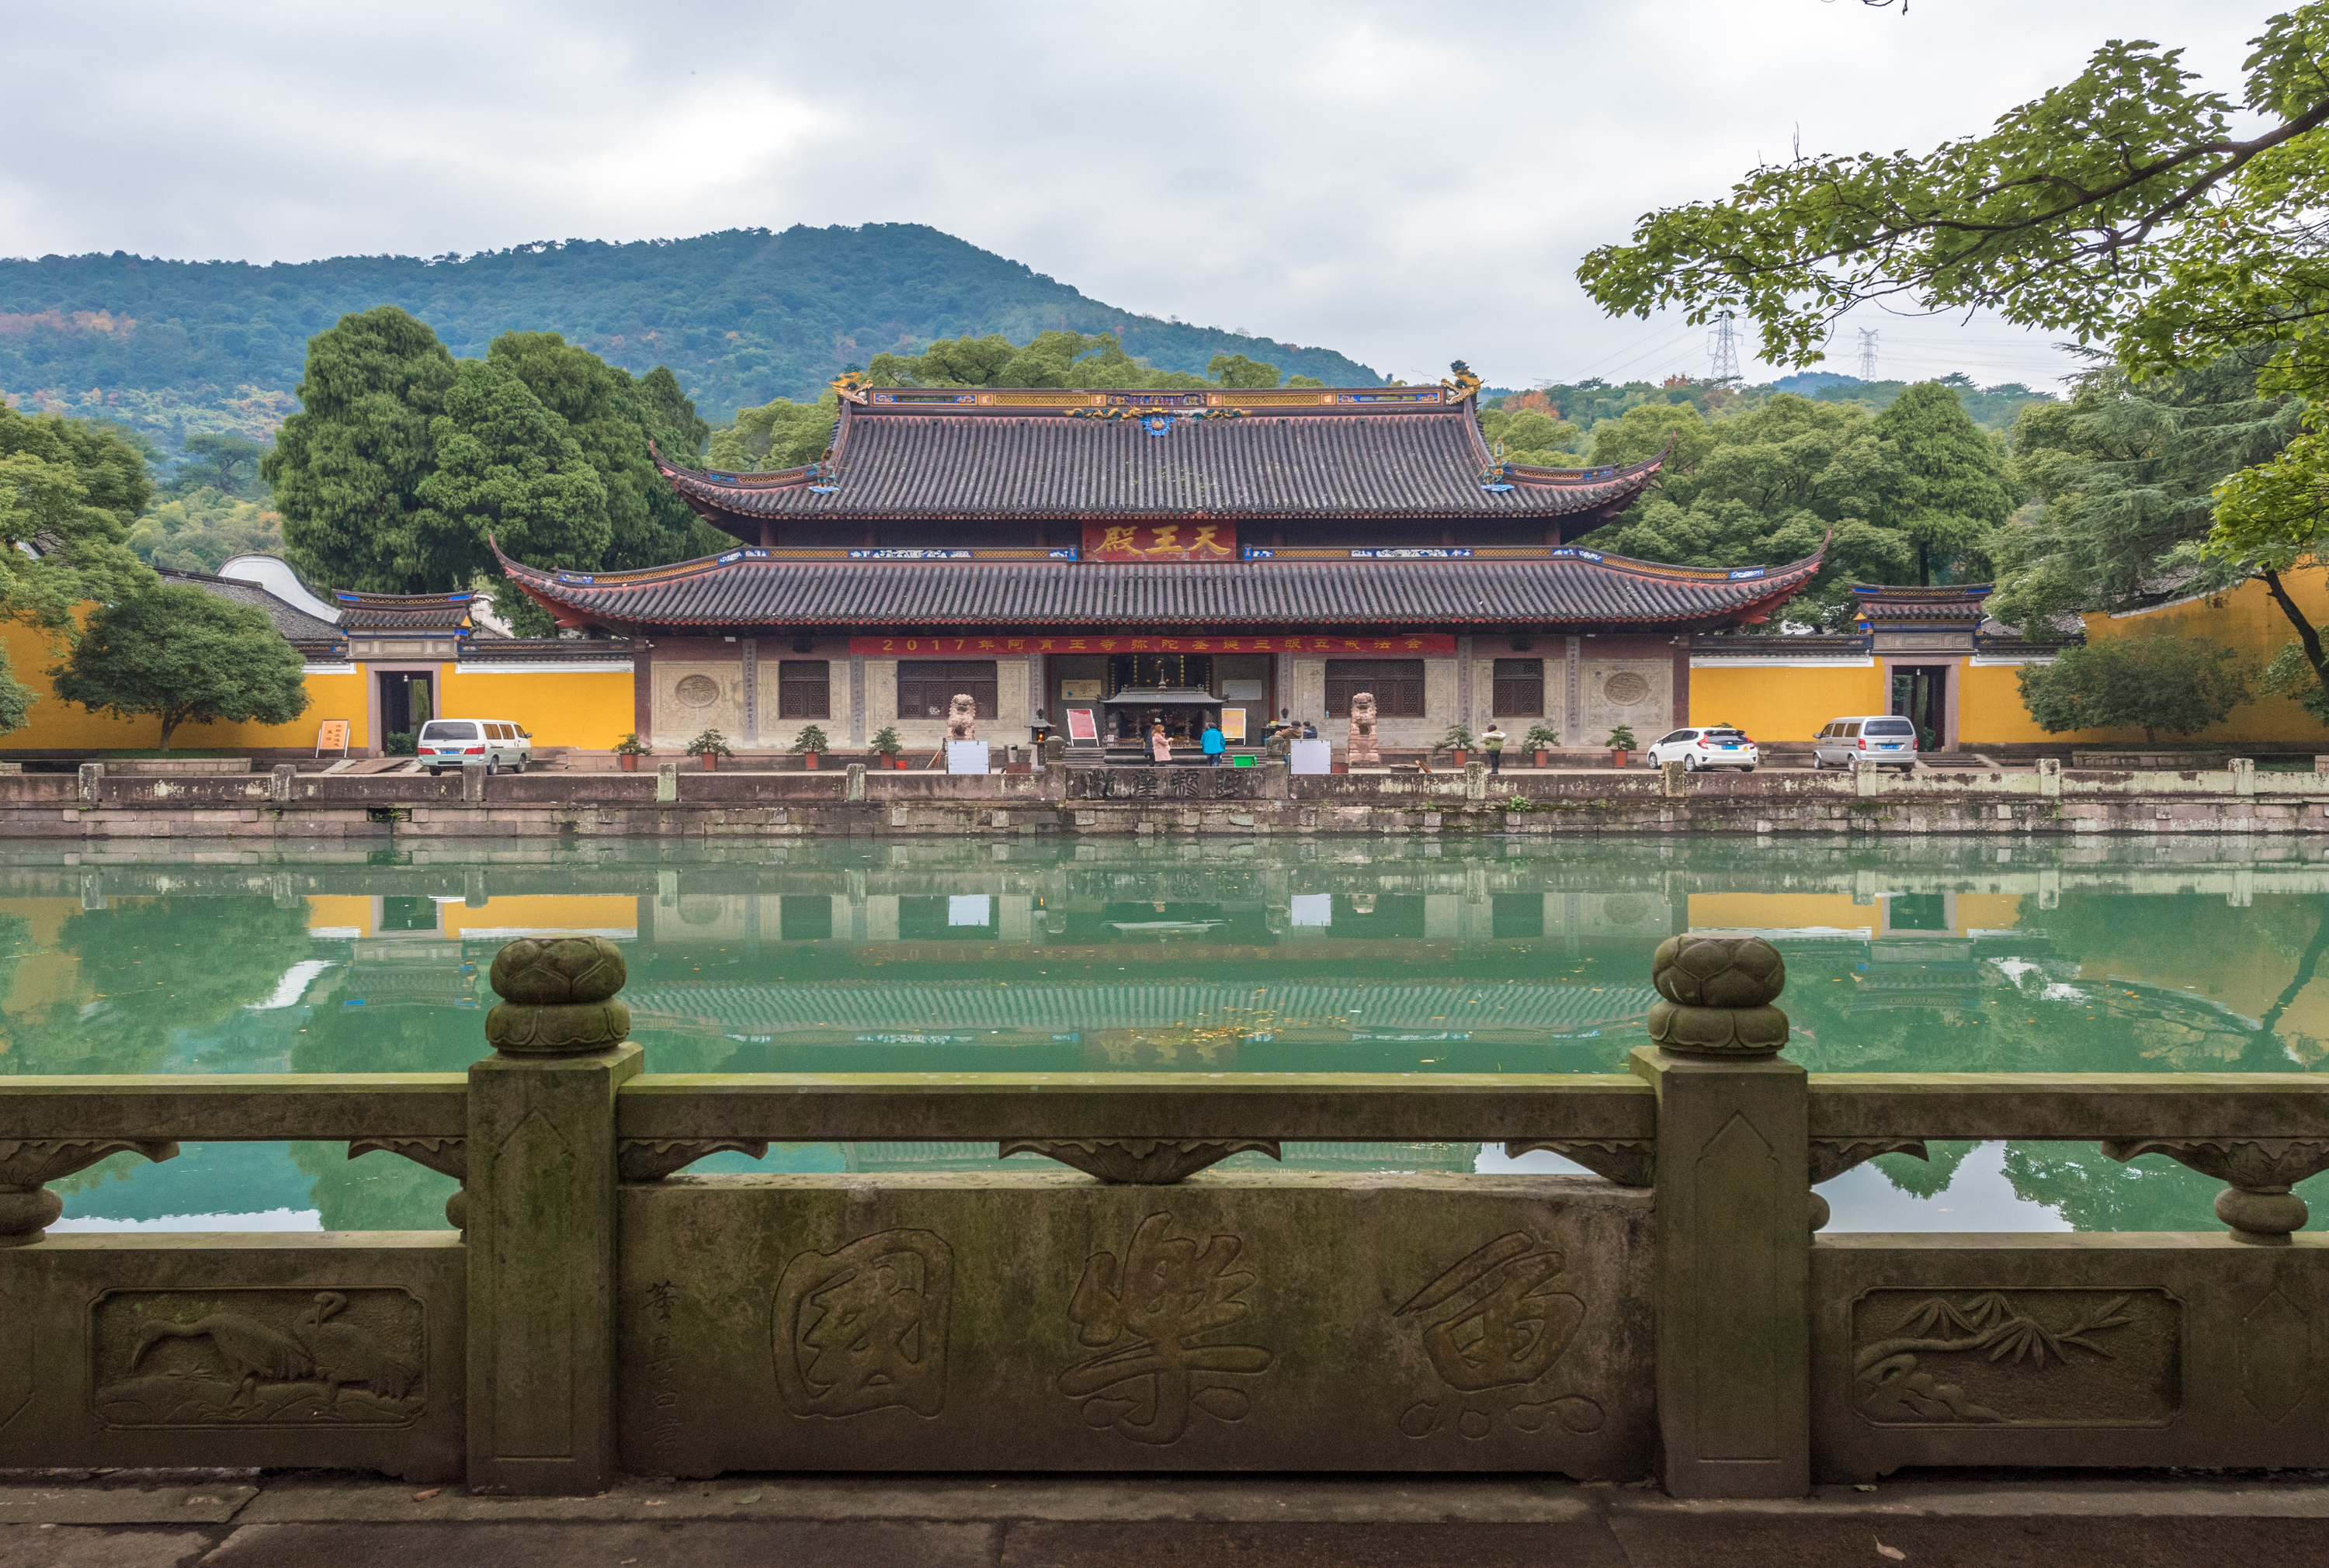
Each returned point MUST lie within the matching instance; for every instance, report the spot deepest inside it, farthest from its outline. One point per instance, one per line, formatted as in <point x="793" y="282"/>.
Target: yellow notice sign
<point x="1233" y="724"/>
<point x="333" y="736"/>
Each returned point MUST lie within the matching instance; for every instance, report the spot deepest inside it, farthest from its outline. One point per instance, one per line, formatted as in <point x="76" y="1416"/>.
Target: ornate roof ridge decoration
<point x="849" y="386"/>
<point x="371" y="601"/>
<point x="1922" y="603"/>
<point x="1566" y="585"/>
<point x="1936" y="593"/>
<point x="1465" y="384"/>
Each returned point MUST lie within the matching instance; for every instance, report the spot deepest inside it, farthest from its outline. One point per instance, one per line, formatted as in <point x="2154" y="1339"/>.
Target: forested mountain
<point x="174" y="347"/>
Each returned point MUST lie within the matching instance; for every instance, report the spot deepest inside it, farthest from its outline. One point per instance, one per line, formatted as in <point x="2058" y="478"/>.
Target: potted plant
<point x="1458" y="742"/>
<point x="1541" y="739"/>
<point x="627" y="752"/>
<point x="887" y="745"/>
<point x="1621" y="742"/>
<point x="711" y="746"/>
<point x="811" y="745"/>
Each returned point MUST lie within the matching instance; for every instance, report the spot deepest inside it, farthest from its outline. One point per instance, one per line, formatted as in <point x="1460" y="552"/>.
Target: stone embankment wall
<point x="1169" y="800"/>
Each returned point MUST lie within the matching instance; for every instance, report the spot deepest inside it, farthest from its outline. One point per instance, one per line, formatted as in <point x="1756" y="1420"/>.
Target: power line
<point x="1723" y="350"/>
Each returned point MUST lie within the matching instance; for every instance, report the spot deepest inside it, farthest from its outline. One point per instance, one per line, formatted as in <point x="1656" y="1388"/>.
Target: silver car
<point x="1883" y="739"/>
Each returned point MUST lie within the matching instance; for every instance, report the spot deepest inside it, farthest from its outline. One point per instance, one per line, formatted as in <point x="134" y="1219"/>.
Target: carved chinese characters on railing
<point x="258" y="1358"/>
<point x="2017" y="1358"/>
<point x="1158" y="1322"/>
<point x="865" y="1328"/>
<point x="1493" y="1322"/>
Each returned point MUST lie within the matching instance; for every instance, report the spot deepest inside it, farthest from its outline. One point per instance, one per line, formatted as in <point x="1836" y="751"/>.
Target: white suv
<point x="497" y="743"/>
<point x="1719" y="746"/>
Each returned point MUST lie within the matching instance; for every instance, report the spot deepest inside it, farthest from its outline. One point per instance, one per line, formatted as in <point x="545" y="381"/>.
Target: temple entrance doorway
<point x="406" y="699"/>
<point x="1920" y="694"/>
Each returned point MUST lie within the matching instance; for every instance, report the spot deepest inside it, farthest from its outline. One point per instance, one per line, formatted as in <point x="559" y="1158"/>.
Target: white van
<point x="497" y="743"/>
<point x="1885" y="738"/>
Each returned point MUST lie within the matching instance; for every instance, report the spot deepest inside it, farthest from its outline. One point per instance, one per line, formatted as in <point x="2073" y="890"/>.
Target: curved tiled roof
<point x="404" y="612"/>
<point x="1572" y="588"/>
<point x="297" y="627"/>
<point x="912" y="462"/>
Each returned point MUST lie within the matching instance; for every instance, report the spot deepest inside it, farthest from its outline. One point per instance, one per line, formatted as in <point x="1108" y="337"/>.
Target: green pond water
<point x="1331" y="956"/>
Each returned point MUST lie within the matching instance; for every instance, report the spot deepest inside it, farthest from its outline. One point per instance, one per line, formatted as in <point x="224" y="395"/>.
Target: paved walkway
<point x="252" y="1519"/>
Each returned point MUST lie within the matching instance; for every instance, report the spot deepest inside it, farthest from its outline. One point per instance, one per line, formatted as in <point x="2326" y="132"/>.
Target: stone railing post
<point x="1476" y="781"/>
<point x="852" y="782"/>
<point x="666" y="783"/>
<point x="473" y="784"/>
<point x="2050" y="777"/>
<point x="93" y="782"/>
<point x="1673" y="782"/>
<point x="281" y="783"/>
<point x="2243" y="775"/>
<point x="1276" y="772"/>
<point x="1865" y="777"/>
<point x="540" y="1210"/>
<point x="1733" y="1224"/>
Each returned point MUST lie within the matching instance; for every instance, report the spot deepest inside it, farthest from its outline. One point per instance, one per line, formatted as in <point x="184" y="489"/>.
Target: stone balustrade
<point x="1107" y="1300"/>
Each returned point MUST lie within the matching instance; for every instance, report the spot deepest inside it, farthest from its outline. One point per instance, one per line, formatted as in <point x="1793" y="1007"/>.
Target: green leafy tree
<point x="347" y="468"/>
<point x="612" y="418"/>
<point x="1945" y="483"/>
<point x="2122" y="480"/>
<point x="2120" y="207"/>
<point x="1237" y="371"/>
<point x="1533" y="435"/>
<point x="507" y="469"/>
<point x="175" y="651"/>
<point x="198" y="531"/>
<point x="1768" y="485"/>
<point x="221" y="461"/>
<point x="69" y="490"/>
<point x="1051" y="358"/>
<point x="778" y="434"/>
<point x="2160" y="681"/>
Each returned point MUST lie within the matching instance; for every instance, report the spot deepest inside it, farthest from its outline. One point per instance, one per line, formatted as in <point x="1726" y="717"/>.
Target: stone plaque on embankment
<point x="1039" y="1321"/>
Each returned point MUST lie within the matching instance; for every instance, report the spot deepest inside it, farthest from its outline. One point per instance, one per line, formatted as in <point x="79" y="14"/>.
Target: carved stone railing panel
<point x="27" y="1208"/>
<point x="653" y="1159"/>
<point x="2257" y="1205"/>
<point x="1628" y="1161"/>
<point x="1137" y="1162"/>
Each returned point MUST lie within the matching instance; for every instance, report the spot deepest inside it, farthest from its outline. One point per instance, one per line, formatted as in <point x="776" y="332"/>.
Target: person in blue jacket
<point x="1213" y="743"/>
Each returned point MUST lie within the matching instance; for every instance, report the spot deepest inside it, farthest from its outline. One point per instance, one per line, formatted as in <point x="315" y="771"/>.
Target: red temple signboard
<point x="924" y="645"/>
<point x="1161" y="541"/>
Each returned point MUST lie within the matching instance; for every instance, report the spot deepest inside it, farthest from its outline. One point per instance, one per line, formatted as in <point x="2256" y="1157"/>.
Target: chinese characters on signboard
<point x="1164" y="542"/>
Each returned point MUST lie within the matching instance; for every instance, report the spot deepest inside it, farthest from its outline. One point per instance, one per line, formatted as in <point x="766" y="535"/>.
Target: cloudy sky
<point x="1405" y="182"/>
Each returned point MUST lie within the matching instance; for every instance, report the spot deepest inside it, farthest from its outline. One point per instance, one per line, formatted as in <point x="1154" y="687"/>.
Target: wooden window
<point x="804" y="688"/>
<point x="1397" y="683"/>
<point x="927" y="687"/>
<point x="1519" y="689"/>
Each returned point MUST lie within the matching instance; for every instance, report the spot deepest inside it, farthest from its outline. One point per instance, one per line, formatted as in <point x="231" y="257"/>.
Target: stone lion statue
<point x="1364" y="750"/>
<point x="962" y="721"/>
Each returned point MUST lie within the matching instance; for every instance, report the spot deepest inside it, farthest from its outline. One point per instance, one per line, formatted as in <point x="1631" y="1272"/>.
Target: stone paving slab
<point x="131" y="1503"/>
<point x="694" y="1544"/>
<point x="942" y="1498"/>
<point x="88" y="1546"/>
<point x="239" y="1519"/>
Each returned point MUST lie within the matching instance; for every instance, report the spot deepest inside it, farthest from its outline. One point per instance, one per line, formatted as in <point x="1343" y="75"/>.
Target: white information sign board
<point x="966" y="755"/>
<point x="1313" y="757"/>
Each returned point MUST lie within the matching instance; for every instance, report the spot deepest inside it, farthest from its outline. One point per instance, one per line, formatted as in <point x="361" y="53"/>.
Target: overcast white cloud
<point x="1406" y="184"/>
